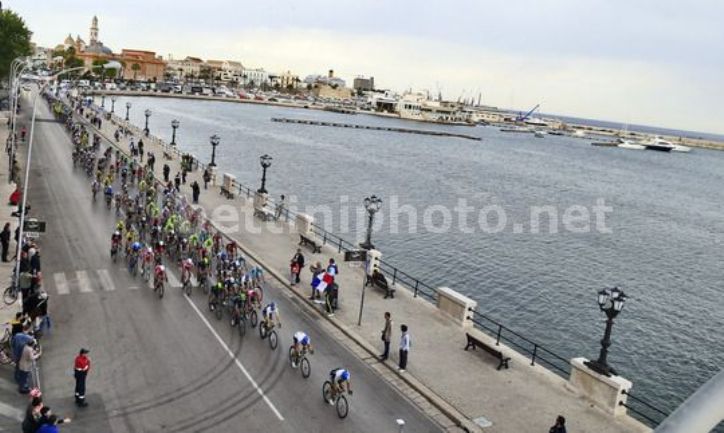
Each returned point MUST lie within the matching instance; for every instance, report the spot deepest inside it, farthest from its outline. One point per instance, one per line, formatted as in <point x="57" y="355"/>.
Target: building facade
<point x="362" y="84"/>
<point x="254" y="77"/>
<point x="142" y="65"/>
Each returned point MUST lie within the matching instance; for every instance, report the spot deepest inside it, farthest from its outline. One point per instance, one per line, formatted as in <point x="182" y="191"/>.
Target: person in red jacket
<point x="82" y="366"/>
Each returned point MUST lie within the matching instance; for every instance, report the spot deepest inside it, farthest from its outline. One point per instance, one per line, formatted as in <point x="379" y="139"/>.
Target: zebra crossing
<point x="96" y="281"/>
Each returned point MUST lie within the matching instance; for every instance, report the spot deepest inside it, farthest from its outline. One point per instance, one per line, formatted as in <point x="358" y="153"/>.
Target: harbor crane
<point x="523" y="117"/>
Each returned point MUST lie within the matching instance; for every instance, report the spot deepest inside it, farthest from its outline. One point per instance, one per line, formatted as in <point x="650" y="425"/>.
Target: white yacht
<point x="658" y="143"/>
<point x="628" y="144"/>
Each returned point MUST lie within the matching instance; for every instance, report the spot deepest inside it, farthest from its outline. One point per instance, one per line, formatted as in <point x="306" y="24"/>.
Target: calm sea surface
<point x="664" y="247"/>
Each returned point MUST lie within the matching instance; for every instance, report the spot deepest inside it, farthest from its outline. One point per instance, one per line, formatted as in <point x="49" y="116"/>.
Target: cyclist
<point x="339" y="377"/>
<point x="159" y="276"/>
<point x="109" y="194"/>
<point x="147" y="256"/>
<point x="269" y="313"/>
<point x="186" y="266"/>
<point x="95" y="187"/>
<point x="133" y="258"/>
<point x="302" y="342"/>
<point x="252" y="298"/>
<point x="216" y="294"/>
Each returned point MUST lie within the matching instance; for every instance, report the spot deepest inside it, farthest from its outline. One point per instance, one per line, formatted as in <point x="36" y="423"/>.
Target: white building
<point x="188" y="68"/>
<point x="254" y="77"/>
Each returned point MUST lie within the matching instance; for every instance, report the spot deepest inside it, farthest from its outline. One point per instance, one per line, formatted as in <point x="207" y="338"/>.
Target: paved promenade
<point x="462" y="384"/>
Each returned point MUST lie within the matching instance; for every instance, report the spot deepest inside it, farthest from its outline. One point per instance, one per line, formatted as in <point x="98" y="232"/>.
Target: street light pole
<point x="128" y="107"/>
<point x="611" y="302"/>
<point x="147" y="113"/>
<point x="113" y="104"/>
<point x="103" y="102"/>
<point x="214" y="139"/>
<point x="372" y="205"/>
<point x="266" y="162"/>
<point x="174" y="124"/>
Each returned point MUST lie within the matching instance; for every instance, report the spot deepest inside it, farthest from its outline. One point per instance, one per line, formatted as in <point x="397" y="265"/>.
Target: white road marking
<point x="11" y="412"/>
<point x="106" y="280"/>
<point x="84" y="284"/>
<point x="61" y="284"/>
<point x="236" y="360"/>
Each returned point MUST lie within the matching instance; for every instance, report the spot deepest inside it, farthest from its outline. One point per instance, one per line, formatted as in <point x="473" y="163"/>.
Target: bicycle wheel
<point x="327" y="391"/>
<point x="253" y="319"/>
<point x="187" y="288"/>
<point x="273" y="339"/>
<point x="219" y="311"/>
<point x="242" y="327"/>
<point x="306" y="367"/>
<point x="262" y="331"/>
<point x="291" y="355"/>
<point x="212" y="305"/>
<point x="10" y="295"/>
<point x="342" y="406"/>
<point x="160" y="291"/>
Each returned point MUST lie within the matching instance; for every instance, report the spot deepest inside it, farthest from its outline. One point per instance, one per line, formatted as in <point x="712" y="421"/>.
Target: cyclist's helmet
<point x="116" y="233"/>
<point x="345" y="375"/>
<point x="136" y="246"/>
<point x="273" y="305"/>
<point x="161" y="243"/>
<point x="223" y="256"/>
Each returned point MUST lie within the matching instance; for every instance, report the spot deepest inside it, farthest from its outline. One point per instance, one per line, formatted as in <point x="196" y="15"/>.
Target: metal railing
<point x="643" y="409"/>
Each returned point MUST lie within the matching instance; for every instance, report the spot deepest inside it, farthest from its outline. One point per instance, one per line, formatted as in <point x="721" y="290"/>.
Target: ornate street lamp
<point x="147" y="113"/>
<point x="266" y="162"/>
<point x="611" y="302"/>
<point x="214" y="142"/>
<point x="113" y="105"/>
<point x="372" y="205"/>
<point x="103" y="102"/>
<point x="174" y="124"/>
<point x="128" y="107"/>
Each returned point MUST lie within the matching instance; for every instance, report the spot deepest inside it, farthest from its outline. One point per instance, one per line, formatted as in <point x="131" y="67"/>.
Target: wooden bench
<point x="379" y="280"/>
<point x="307" y="241"/>
<point x="474" y="342"/>
<point x="226" y="192"/>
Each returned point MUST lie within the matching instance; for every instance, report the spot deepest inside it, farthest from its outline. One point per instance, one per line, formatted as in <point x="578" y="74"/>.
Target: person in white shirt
<point x="404" y="348"/>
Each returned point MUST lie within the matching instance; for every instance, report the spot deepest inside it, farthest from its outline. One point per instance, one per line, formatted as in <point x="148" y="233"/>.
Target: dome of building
<point x="98" y="48"/>
<point x="69" y="41"/>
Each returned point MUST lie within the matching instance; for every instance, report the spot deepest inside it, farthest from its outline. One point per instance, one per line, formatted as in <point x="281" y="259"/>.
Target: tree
<point x="15" y="39"/>
<point x="135" y="68"/>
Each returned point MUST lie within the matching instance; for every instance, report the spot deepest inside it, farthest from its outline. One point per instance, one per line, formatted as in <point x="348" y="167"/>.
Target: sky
<point x="646" y="62"/>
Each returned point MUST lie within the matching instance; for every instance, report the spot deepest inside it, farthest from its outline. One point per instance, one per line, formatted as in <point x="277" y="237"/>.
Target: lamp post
<point x="147" y="113"/>
<point x="610" y="301"/>
<point x="174" y="124"/>
<point x="214" y="139"/>
<point x="128" y="108"/>
<point x="266" y="162"/>
<point x="103" y="102"/>
<point x="372" y="205"/>
<point x="113" y="105"/>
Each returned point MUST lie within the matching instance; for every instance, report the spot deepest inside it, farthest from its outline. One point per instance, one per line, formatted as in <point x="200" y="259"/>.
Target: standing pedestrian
<point x="151" y="160"/>
<point x="5" y="240"/>
<point x="82" y="366"/>
<point x="195" y="191"/>
<point x="298" y="259"/>
<point x="404" y="348"/>
<point x="166" y="172"/>
<point x="140" y="148"/>
<point x="280" y="208"/>
<point x="560" y="425"/>
<point x="315" y="269"/>
<point x="207" y="178"/>
<point x="183" y="175"/>
<point x="293" y="272"/>
<point x="177" y="182"/>
<point x="386" y="336"/>
<point x="25" y="366"/>
<point x="332" y="268"/>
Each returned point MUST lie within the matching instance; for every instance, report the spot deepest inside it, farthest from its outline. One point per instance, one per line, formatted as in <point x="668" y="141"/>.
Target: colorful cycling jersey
<point x="269" y="310"/>
<point x="301" y="338"/>
<point x="187" y="263"/>
<point x="256" y="272"/>
<point x="160" y="270"/>
<point x="339" y="375"/>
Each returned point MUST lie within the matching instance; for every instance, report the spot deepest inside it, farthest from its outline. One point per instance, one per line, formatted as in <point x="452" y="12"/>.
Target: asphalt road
<point x="168" y="365"/>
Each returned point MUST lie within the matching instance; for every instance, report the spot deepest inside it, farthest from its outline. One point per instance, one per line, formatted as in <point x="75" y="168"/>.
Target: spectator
<point x="5" y="240"/>
<point x="293" y="272"/>
<point x="31" y="422"/>
<point x="51" y="425"/>
<point x="386" y="336"/>
<point x="183" y="175"/>
<point x="166" y="172"/>
<point x="280" y="208"/>
<point x="82" y="366"/>
<point x="560" y="425"/>
<point x="207" y="178"/>
<point x="140" y="148"/>
<point x="298" y="259"/>
<point x="195" y="191"/>
<point x="332" y="268"/>
<point x="315" y="269"/>
<point x="151" y="160"/>
<point x="25" y="366"/>
<point x="46" y="413"/>
<point x="404" y="348"/>
<point x="177" y="181"/>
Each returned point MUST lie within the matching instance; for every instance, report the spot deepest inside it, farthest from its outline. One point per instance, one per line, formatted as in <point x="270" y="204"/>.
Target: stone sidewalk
<point x="7" y="312"/>
<point x="524" y="398"/>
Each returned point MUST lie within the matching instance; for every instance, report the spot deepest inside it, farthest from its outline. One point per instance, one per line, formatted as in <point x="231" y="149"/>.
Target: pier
<point x="375" y="128"/>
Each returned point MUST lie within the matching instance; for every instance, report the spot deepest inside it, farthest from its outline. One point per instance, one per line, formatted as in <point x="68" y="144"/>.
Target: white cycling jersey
<point x="301" y="338"/>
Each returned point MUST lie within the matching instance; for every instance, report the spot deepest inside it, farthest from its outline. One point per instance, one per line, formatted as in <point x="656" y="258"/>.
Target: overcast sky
<point x="634" y="61"/>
